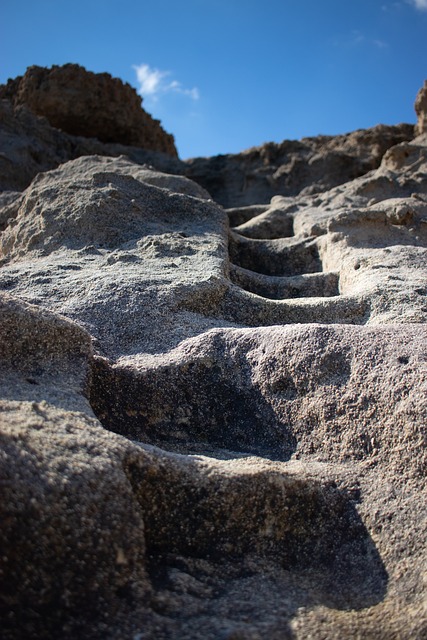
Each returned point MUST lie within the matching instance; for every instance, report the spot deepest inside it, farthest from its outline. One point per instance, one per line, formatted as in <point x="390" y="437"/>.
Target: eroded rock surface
<point x="93" y="105"/>
<point x="213" y="422"/>
<point x="30" y="145"/>
<point x="421" y="110"/>
<point x="310" y="165"/>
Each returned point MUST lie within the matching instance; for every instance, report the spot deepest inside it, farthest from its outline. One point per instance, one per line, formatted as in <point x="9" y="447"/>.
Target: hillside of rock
<point x="78" y="103"/>
<point x="30" y="145"/>
<point x="310" y="165"/>
<point x="213" y="420"/>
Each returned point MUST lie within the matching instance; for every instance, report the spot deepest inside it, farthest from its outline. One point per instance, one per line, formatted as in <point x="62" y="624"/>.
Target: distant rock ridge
<point x="93" y="105"/>
<point x="70" y="97"/>
<point x="288" y="168"/>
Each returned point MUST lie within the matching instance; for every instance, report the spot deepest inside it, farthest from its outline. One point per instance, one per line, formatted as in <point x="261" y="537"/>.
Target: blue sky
<point x="225" y="75"/>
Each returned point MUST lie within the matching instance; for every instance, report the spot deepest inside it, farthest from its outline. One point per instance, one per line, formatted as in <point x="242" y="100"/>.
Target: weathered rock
<point x="421" y="110"/>
<point x="93" y="105"/>
<point x="30" y="145"/>
<point x="214" y="432"/>
<point x="309" y="165"/>
<point x="159" y="237"/>
<point x="72" y="539"/>
<point x="105" y="513"/>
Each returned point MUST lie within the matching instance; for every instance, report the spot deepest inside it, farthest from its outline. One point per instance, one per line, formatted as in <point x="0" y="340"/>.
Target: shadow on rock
<point x="62" y="519"/>
<point x="193" y="406"/>
<point x="249" y="519"/>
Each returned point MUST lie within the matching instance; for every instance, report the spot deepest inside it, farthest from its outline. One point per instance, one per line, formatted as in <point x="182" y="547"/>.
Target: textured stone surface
<point x="310" y="165"/>
<point x="71" y="537"/>
<point x="213" y="422"/>
<point x="29" y="145"/>
<point x="421" y="110"/>
<point x="93" y="105"/>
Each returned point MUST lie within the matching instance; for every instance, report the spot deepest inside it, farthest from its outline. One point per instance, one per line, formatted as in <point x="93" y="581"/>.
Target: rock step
<point x="252" y="310"/>
<point x="277" y="257"/>
<point x="268" y="225"/>
<point x="263" y="508"/>
<point x="307" y="285"/>
<point x="240" y="215"/>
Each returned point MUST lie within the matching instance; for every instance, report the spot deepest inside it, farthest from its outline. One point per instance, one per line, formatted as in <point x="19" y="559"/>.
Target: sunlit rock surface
<point x="213" y="421"/>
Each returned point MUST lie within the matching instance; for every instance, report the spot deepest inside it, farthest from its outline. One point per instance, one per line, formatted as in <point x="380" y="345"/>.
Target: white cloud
<point x="149" y="80"/>
<point x="418" y="4"/>
<point x="357" y="39"/>
<point x="421" y="5"/>
<point x="392" y="6"/>
<point x="153" y="83"/>
<point x="380" y="44"/>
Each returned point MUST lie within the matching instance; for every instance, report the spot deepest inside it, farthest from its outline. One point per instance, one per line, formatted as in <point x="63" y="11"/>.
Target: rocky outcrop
<point x="213" y="421"/>
<point x="30" y="145"/>
<point x="110" y="112"/>
<point x="310" y="165"/>
<point x="93" y="105"/>
<point x="227" y="417"/>
<point x="421" y="110"/>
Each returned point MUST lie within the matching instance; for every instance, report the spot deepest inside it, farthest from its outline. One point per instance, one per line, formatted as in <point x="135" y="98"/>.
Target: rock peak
<point x="421" y="110"/>
<point x="93" y="105"/>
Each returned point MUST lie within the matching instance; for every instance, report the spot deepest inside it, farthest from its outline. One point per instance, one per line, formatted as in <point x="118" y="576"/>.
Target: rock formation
<point x="213" y="421"/>
<point x="93" y="105"/>
<point x="84" y="104"/>
<point x="310" y="165"/>
<point x="421" y="110"/>
<point x="30" y="145"/>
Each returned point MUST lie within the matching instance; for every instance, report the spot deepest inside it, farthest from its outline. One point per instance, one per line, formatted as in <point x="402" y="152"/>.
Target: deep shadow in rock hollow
<point x="193" y="407"/>
<point x="247" y="532"/>
<point x="263" y="542"/>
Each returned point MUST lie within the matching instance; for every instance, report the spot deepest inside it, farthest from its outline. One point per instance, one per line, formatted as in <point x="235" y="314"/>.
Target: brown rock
<point x="421" y="110"/>
<point x="310" y="165"/>
<point x="93" y="105"/>
<point x="30" y="145"/>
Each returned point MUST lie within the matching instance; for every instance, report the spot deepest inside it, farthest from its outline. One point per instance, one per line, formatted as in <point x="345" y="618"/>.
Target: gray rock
<point x="132" y="537"/>
<point x="30" y="145"/>
<point x="71" y="537"/>
<point x="213" y="431"/>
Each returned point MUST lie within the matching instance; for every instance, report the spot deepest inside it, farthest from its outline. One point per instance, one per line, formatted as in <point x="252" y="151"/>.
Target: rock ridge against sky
<point x="224" y="76"/>
<point x="213" y="386"/>
<point x="93" y="105"/>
